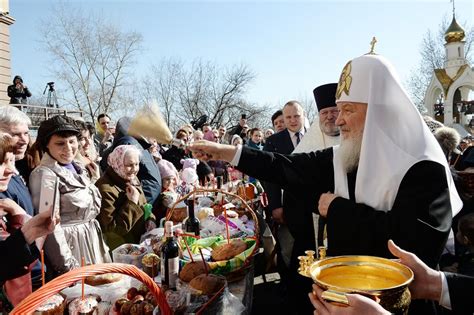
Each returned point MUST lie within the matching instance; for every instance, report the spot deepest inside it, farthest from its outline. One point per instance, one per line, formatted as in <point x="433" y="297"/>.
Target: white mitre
<point x="395" y="136"/>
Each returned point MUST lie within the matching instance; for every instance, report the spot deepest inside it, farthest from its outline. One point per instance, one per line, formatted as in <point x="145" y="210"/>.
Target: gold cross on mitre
<point x="372" y="46"/>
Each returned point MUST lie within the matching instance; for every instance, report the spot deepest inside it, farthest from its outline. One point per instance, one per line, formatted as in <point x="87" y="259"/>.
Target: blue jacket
<point x="254" y="145"/>
<point x="18" y="192"/>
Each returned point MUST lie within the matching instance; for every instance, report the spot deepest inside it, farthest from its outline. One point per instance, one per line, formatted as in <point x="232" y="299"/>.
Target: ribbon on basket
<point x="240" y="262"/>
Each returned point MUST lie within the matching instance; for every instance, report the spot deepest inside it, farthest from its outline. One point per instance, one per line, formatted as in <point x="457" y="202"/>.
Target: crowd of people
<point x="368" y="170"/>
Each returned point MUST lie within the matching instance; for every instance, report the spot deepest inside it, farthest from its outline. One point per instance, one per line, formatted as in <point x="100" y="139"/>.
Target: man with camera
<point x="18" y="92"/>
<point x="241" y="129"/>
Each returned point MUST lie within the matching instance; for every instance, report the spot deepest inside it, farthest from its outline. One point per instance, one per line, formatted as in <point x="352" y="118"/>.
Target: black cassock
<point x="419" y="220"/>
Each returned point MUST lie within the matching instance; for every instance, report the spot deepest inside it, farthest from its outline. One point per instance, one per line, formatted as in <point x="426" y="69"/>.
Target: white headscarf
<point x="395" y="135"/>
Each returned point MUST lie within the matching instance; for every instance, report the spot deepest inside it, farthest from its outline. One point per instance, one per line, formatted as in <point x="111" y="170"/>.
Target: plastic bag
<point x="225" y="303"/>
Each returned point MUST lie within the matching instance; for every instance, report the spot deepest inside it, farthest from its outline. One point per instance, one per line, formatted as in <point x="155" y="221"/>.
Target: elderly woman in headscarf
<point x="123" y="215"/>
<point x="79" y="234"/>
<point x="236" y="140"/>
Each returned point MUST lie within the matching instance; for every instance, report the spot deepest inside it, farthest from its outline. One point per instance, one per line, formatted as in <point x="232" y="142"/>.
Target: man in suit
<point x="277" y="121"/>
<point x="388" y="179"/>
<point x="450" y="290"/>
<point x="283" y="206"/>
<point x="284" y="142"/>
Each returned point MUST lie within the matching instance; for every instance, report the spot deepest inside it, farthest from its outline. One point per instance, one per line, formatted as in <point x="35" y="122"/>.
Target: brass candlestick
<point x="321" y="252"/>
<point x="309" y="259"/>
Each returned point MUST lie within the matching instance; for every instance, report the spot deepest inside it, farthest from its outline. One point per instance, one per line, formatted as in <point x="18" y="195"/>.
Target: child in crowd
<point x="256" y="137"/>
<point x="169" y="183"/>
<point x="198" y="135"/>
<point x="169" y="176"/>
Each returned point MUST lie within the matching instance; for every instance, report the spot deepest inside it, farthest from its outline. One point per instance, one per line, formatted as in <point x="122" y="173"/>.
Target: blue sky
<point x="292" y="46"/>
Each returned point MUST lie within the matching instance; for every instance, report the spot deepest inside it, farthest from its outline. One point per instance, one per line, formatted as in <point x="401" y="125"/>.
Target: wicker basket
<point x="248" y="210"/>
<point x="31" y="303"/>
<point x="238" y="273"/>
<point x="178" y="215"/>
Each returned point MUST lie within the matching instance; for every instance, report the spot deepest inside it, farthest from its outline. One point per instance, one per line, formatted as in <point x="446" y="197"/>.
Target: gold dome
<point x="454" y="33"/>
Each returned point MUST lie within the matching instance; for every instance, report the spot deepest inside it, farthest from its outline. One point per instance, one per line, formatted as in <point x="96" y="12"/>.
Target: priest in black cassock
<point x="387" y="180"/>
<point x="322" y="134"/>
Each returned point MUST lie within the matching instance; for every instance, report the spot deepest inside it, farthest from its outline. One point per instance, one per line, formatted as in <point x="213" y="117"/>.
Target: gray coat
<point x="79" y="234"/>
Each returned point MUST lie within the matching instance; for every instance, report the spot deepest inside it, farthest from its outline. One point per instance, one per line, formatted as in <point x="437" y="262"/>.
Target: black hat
<point x="55" y="125"/>
<point x="325" y="95"/>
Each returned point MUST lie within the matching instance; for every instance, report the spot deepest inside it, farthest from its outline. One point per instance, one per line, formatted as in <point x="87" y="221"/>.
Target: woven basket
<point x="249" y="210"/>
<point x="34" y="300"/>
<point x="203" y="191"/>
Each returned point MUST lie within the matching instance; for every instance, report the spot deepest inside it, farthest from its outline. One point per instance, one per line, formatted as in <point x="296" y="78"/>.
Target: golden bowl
<point x="371" y="276"/>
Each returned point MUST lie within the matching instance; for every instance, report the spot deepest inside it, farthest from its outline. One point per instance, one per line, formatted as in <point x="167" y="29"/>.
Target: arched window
<point x="459" y="52"/>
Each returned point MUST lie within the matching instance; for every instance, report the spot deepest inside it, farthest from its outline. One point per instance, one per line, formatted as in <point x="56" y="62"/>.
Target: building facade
<point x="447" y="95"/>
<point x="5" y="57"/>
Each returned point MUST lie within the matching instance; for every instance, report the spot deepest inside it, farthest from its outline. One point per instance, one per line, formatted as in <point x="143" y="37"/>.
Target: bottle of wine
<point x="169" y="259"/>
<point x="219" y="182"/>
<point x="191" y="225"/>
<point x="218" y="193"/>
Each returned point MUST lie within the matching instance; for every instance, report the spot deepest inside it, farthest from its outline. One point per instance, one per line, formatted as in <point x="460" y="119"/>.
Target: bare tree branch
<point x="185" y="93"/>
<point x="91" y="56"/>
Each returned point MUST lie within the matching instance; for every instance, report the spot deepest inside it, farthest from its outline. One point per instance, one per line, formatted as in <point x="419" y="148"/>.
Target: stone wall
<point x="5" y="57"/>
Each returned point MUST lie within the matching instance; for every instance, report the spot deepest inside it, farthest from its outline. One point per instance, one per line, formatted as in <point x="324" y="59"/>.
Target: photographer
<point x="18" y="92"/>
<point x="241" y="129"/>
